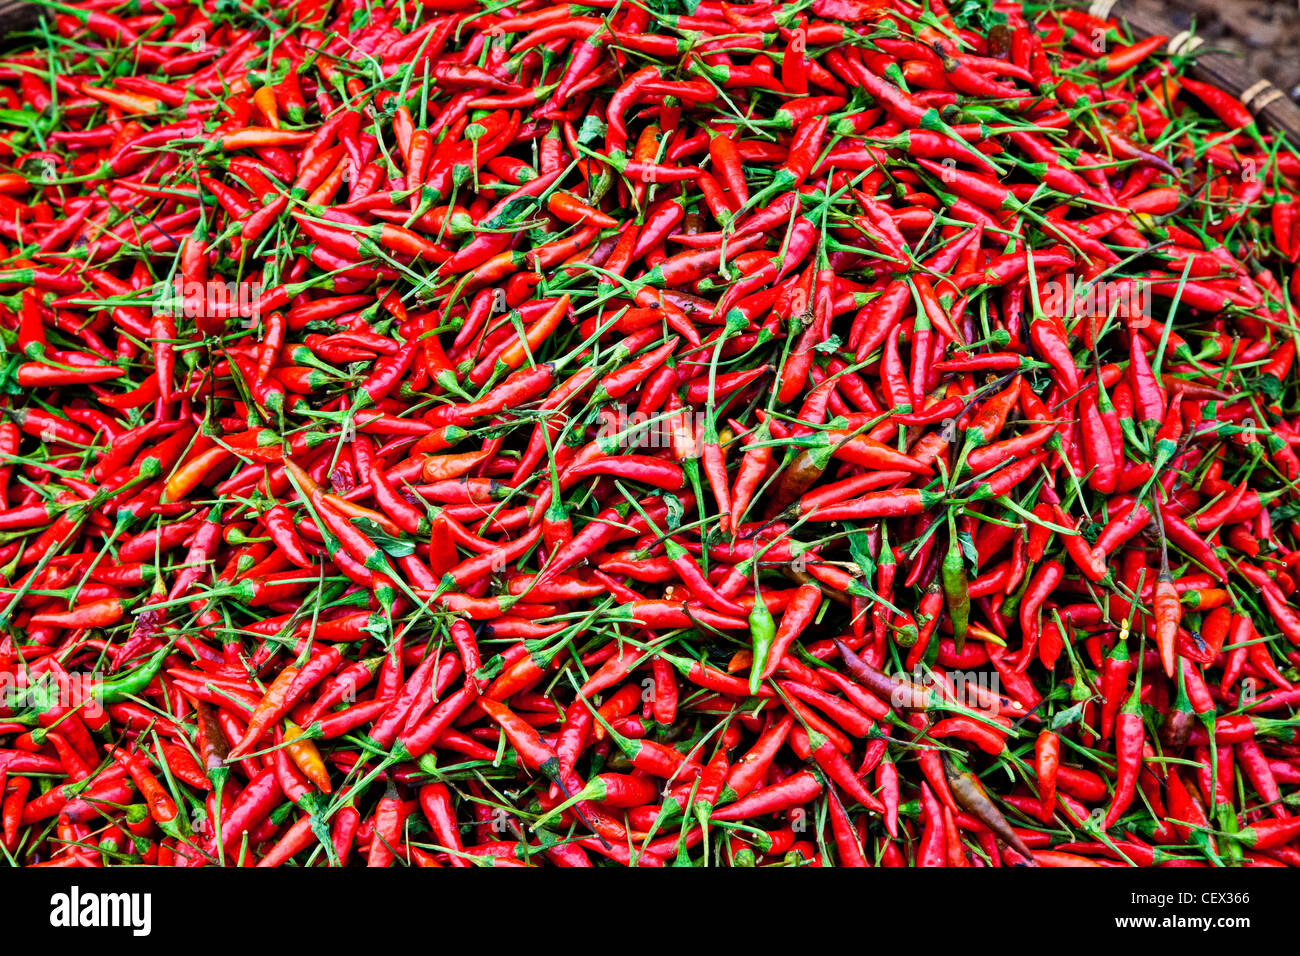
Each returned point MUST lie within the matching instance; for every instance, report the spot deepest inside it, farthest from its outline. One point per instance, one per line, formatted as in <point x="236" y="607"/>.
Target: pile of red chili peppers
<point x="854" y="432"/>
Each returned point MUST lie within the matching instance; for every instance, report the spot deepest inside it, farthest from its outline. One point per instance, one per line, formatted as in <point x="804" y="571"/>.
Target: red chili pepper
<point x="1130" y="735"/>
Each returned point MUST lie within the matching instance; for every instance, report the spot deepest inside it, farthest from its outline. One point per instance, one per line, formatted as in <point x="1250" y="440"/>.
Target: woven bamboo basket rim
<point x="1271" y="107"/>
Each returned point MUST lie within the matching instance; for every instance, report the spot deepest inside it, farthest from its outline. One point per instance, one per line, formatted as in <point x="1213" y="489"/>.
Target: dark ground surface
<point x="1264" y="33"/>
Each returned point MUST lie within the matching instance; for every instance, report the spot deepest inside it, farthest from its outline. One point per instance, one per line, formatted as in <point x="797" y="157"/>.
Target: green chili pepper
<point x="762" y="630"/>
<point x="956" y="590"/>
<point x="128" y="685"/>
